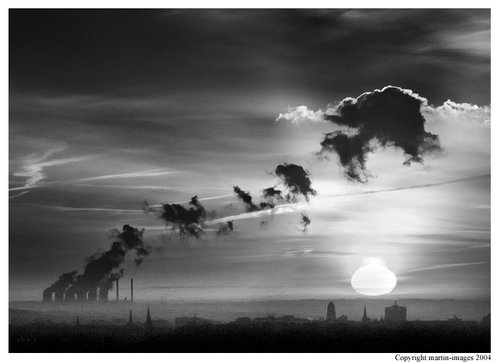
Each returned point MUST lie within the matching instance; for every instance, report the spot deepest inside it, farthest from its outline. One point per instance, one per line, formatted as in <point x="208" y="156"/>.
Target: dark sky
<point x="111" y="107"/>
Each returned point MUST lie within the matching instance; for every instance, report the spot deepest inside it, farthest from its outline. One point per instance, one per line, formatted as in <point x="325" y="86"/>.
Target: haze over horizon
<point x="109" y="108"/>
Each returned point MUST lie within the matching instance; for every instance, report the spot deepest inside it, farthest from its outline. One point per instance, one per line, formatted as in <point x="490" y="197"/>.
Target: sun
<point x="373" y="279"/>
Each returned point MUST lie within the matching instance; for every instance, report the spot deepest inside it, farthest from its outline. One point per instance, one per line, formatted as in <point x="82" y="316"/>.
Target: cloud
<point x="466" y="113"/>
<point x="33" y="167"/>
<point x="300" y="115"/>
<point x="391" y="116"/>
<point x="146" y="173"/>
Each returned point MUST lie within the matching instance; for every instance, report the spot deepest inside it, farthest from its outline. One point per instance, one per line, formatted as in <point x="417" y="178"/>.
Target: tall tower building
<point x="330" y="312"/>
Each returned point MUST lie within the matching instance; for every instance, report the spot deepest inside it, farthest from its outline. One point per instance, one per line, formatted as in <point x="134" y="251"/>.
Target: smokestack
<point x="69" y="296"/>
<point x="131" y="290"/>
<point x="81" y="295"/>
<point x="59" y="296"/>
<point x="103" y="294"/>
<point x="47" y="296"/>
<point x="117" y="290"/>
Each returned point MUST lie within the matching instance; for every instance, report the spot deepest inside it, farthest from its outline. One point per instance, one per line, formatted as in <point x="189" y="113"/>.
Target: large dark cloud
<point x="392" y="116"/>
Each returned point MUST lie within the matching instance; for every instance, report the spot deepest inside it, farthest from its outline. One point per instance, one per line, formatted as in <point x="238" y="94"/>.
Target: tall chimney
<point x="117" y="290"/>
<point x="131" y="290"/>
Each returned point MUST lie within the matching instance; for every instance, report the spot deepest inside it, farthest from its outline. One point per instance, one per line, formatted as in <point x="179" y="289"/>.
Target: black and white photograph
<point x="249" y="180"/>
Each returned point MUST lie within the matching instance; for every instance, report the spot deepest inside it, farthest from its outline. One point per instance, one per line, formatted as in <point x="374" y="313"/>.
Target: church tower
<point x="365" y="317"/>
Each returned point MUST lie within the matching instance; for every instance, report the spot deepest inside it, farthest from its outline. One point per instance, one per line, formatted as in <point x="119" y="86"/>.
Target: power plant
<point x="70" y="294"/>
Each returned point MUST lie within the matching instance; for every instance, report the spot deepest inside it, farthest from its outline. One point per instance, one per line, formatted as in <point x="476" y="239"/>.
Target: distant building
<point x="395" y="313"/>
<point x="285" y="320"/>
<point x="243" y="321"/>
<point x="342" y="318"/>
<point x="330" y="312"/>
<point x="365" y="316"/>
<point x="454" y="319"/>
<point x="192" y="321"/>
<point x="487" y="319"/>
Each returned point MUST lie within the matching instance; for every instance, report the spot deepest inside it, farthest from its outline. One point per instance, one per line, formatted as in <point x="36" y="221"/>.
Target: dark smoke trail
<point x="390" y="116"/>
<point x="59" y="287"/>
<point x="305" y="221"/>
<point x="225" y="229"/>
<point x="296" y="180"/>
<point x="246" y="198"/>
<point x="187" y="221"/>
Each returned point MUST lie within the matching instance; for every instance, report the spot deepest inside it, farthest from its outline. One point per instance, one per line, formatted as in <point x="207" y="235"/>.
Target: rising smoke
<point x="102" y="268"/>
<point x="296" y="180"/>
<point x="304" y="221"/>
<point x="186" y="221"/>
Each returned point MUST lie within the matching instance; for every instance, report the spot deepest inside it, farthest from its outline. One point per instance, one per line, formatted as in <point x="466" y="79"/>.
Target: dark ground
<point x="310" y="337"/>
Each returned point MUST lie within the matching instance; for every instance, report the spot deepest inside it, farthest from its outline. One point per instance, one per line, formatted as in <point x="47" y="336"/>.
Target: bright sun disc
<point x="373" y="279"/>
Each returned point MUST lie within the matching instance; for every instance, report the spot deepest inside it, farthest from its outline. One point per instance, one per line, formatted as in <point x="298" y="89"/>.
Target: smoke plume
<point x="304" y="221"/>
<point x="186" y="221"/>
<point x="100" y="270"/>
<point x="296" y="180"/>
<point x="246" y="198"/>
<point x="392" y="116"/>
<point x="61" y="284"/>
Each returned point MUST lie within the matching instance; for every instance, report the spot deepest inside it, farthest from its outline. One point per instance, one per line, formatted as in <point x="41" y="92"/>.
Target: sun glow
<point x="373" y="279"/>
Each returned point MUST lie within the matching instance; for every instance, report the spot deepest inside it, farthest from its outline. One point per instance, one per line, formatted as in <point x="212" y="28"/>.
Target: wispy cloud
<point x="83" y="209"/>
<point x="19" y="194"/>
<point x="146" y="173"/>
<point x="33" y="167"/>
<point x="155" y="187"/>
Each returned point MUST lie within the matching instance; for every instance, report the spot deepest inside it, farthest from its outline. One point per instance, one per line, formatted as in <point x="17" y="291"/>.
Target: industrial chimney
<point x="92" y="295"/>
<point x="117" y="290"/>
<point x="131" y="290"/>
<point x="47" y="296"/>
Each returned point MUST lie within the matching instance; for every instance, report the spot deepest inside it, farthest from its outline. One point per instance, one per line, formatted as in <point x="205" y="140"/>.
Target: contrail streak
<point x="278" y="209"/>
<point x="402" y="188"/>
<point x="443" y="266"/>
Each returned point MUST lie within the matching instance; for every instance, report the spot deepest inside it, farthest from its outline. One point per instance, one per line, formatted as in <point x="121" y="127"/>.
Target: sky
<point x="108" y="108"/>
